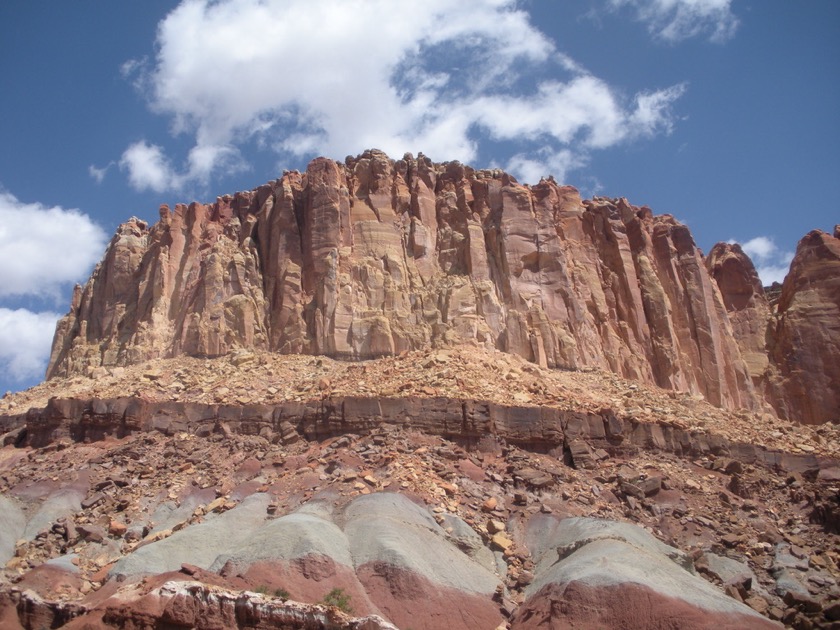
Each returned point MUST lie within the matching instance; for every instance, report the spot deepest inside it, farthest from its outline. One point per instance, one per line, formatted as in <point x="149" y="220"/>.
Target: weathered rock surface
<point x="743" y="296"/>
<point x="804" y="346"/>
<point x="592" y="573"/>
<point x="411" y="515"/>
<point x="382" y="550"/>
<point x="189" y="449"/>
<point x="792" y="348"/>
<point x="196" y="605"/>
<point x="466" y="421"/>
<point x="179" y="604"/>
<point x="374" y="256"/>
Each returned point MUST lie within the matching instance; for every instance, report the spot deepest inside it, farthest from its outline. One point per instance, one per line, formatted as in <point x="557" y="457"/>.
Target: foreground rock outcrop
<point x="374" y="257"/>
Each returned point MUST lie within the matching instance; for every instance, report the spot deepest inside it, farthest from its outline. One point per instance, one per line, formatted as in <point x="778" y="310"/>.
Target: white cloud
<point x="98" y="173"/>
<point x="43" y="248"/>
<point x="325" y="76"/>
<point x="771" y="263"/>
<point x="149" y="169"/>
<point x="583" y="112"/>
<point x="677" y="20"/>
<point x="543" y="163"/>
<point x="760" y="248"/>
<point x="25" y="340"/>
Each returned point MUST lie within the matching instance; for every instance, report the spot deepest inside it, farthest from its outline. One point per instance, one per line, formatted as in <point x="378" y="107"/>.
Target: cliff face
<point x="804" y="345"/>
<point x="375" y="256"/>
<point x="744" y="298"/>
<point x="792" y="349"/>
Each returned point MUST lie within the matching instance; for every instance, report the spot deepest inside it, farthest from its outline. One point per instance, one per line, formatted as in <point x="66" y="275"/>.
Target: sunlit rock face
<point x="792" y="347"/>
<point x="804" y="338"/>
<point x="746" y="303"/>
<point x="375" y="256"/>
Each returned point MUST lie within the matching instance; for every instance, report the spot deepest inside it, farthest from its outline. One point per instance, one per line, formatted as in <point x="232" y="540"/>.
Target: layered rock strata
<point x="180" y="604"/>
<point x="577" y="436"/>
<point x="375" y="256"/>
<point x="593" y="574"/>
<point x="134" y="512"/>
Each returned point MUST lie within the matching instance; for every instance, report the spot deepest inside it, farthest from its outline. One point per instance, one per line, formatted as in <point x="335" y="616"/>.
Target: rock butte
<point x="376" y="256"/>
<point x="188" y="465"/>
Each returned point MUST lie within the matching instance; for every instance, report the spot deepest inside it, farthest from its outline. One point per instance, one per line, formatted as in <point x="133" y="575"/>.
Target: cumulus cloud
<point x="531" y="168"/>
<point x="148" y="168"/>
<point x="677" y="20"/>
<point x="43" y="251"/>
<point x="25" y="339"/>
<point x="301" y="77"/>
<point x="44" y="248"/>
<point x="771" y="262"/>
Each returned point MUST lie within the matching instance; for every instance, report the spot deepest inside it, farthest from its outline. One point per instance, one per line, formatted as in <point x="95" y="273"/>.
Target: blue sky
<point x="721" y="112"/>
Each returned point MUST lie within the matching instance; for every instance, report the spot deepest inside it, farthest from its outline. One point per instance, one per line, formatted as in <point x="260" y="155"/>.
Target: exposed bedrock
<point x="791" y="348"/>
<point x="804" y="344"/>
<point x="743" y="296"/>
<point x="575" y="435"/>
<point x="375" y="256"/>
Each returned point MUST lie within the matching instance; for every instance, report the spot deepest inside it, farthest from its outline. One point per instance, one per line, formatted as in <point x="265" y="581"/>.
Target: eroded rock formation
<point x="375" y="256"/>
<point x="746" y="303"/>
<point x="804" y="343"/>
<point x="792" y="348"/>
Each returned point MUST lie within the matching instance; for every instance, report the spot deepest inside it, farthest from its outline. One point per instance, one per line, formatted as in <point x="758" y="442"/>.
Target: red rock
<point x="746" y="304"/>
<point x="805" y="341"/>
<point x="628" y="605"/>
<point x="375" y="256"/>
<point x="793" y="354"/>
<point x="116" y="528"/>
<point x="411" y="601"/>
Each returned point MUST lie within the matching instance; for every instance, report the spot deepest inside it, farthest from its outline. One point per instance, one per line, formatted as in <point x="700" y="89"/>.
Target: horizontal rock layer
<point x="181" y="604"/>
<point x="376" y="256"/>
<point x="577" y="435"/>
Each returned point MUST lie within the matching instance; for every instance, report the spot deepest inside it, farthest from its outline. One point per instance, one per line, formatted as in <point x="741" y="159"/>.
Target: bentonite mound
<point x="389" y="555"/>
<point x="595" y="574"/>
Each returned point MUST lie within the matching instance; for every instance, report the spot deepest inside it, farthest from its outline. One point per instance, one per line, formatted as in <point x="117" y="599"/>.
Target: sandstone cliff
<point x="792" y="348"/>
<point x="804" y="345"/>
<point x="744" y="298"/>
<point x="375" y="256"/>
